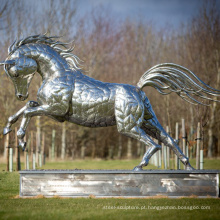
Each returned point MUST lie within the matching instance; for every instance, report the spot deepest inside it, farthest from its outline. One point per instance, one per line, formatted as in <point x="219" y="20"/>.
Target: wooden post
<point x="138" y="148"/>
<point x="184" y="138"/>
<point x="198" y="140"/>
<point x="18" y="161"/>
<point x="53" y="144"/>
<point x="7" y="151"/>
<point x="32" y="147"/>
<point x="63" y="144"/>
<point x="162" y="157"/>
<point x="201" y="148"/>
<point x="110" y="152"/>
<point x="129" y="149"/>
<point x="201" y="160"/>
<point x="155" y="159"/>
<point x="5" y="148"/>
<point x="159" y="156"/>
<point x="43" y="148"/>
<point x="16" y="148"/>
<point x="191" y="147"/>
<point x="36" y="151"/>
<point x="168" y="150"/>
<point x="83" y="149"/>
<point x="165" y="156"/>
<point x="40" y="159"/>
<point x="34" y="162"/>
<point x="187" y="150"/>
<point x="177" y="160"/>
<point x="27" y="150"/>
<point x="27" y="159"/>
<point x="142" y="150"/>
<point x="119" y="147"/>
<point x="38" y="138"/>
<point x="10" y="159"/>
<point x="156" y="155"/>
<point x="25" y="154"/>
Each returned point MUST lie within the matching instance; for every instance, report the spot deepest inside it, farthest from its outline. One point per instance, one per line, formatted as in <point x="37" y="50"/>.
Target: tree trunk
<point x="38" y="138"/>
<point x="129" y="148"/>
<point x="7" y="151"/>
<point x="110" y="152"/>
<point x="63" y="150"/>
<point x="213" y="112"/>
<point x="119" y="147"/>
<point x="198" y="141"/>
<point x="83" y="149"/>
<point x="18" y="166"/>
<point x="184" y="138"/>
<point x="167" y="110"/>
<point x="210" y="130"/>
<point x="53" y="145"/>
<point x="138" y="148"/>
<point x="43" y="149"/>
<point x="210" y="141"/>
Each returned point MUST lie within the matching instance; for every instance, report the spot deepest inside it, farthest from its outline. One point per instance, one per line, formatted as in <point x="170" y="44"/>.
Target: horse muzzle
<point x="21" y="97"/>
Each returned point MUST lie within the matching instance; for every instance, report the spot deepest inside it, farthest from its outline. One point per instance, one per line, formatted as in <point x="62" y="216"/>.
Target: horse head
<point x="20" y="70"/>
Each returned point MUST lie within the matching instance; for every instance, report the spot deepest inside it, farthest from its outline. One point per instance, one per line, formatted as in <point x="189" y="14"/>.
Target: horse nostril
<point x="20" y="97"/>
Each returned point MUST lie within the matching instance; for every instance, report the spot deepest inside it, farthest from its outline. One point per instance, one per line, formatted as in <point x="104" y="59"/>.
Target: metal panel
<point x="119" y="183"/>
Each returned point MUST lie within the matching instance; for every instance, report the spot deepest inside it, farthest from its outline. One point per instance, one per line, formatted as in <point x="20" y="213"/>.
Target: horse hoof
<point x="189" y="167"/>
<point x="22" y="145"/>
<point x="6" y="130"/>
<point x="138" y="168"/>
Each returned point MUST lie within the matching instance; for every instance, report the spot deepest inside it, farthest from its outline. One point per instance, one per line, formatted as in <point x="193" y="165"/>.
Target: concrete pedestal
<point x="119" y="183"/>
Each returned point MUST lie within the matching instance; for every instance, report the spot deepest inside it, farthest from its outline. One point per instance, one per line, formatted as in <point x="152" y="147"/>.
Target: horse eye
<point x="12" y="72"/>
<point x="9" y="66"/>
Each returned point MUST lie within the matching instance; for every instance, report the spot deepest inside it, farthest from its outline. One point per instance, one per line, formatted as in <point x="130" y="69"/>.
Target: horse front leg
<point x="12" y="119"/>
<point x="28" y="114"/>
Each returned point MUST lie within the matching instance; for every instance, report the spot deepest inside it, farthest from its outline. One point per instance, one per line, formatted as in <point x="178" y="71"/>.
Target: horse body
<point x="89" y="102"/>
<point x="68" y="95"/>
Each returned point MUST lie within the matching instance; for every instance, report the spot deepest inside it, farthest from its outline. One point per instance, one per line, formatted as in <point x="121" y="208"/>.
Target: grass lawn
<point x="12" y="207"/>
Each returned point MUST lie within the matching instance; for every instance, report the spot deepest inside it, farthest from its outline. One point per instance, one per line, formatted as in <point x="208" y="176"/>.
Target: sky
<point x="159" y="12"/>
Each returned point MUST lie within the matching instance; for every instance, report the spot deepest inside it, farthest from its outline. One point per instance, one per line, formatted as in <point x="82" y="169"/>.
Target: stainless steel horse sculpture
<point x="68" y="95"/>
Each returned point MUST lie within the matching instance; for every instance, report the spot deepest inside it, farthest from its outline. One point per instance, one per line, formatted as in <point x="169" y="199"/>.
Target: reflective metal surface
<point x="66" y="94"/>
<point x="119" y="183"/>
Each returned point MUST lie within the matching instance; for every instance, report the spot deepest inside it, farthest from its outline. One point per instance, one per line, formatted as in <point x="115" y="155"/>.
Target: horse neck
<point x="50" y="62"/>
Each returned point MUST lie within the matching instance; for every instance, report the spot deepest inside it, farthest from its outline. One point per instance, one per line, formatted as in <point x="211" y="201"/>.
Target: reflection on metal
<point x="66" y="94"/>
<point x="119" y="183"/>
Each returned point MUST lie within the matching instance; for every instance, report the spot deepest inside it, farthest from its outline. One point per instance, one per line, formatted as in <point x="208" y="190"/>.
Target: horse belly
<point x="93" y="112"/>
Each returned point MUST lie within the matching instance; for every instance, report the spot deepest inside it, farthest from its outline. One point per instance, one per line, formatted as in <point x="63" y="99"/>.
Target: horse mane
<point x="53" y="42"/>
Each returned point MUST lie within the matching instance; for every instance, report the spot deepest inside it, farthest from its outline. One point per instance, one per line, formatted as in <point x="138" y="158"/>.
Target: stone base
<point x="119" y="183"/>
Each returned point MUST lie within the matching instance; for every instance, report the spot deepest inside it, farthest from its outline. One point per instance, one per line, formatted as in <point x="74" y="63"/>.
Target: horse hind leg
<point x="153" y="148"/>
<point x="129" y="112"/>
<point x="139" y="134"/>
<point x="153" y="128"/>
<point x="134" y="130"/>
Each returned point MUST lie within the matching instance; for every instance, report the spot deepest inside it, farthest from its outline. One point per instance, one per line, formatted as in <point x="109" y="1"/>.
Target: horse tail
<point x="169" y="77"/>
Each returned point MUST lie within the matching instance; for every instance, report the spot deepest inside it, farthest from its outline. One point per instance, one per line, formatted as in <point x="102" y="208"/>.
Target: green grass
<point x="212" y="164"/>
<point x="86" y="164"/>
<point x="95" y="164"/>
<point x="110" y="164"/>
<point x="92" y="208"/>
